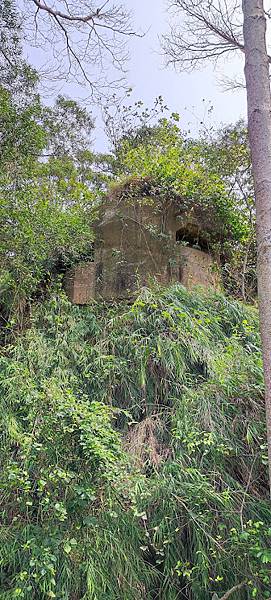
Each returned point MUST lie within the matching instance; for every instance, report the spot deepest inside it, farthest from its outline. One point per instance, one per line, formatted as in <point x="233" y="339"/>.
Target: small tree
<point x="212" y="29"/>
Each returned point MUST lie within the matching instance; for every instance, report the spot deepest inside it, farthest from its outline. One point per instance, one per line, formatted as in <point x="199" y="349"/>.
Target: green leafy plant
<point x="133" y="451"/>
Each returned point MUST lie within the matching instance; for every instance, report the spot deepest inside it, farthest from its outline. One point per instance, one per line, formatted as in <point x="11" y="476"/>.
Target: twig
<point x="230" y="592"/>
<point x="83" y="18"/>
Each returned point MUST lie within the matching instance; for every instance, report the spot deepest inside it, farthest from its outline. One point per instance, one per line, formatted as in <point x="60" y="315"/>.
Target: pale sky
<point x="182" y="91"/>
<point x="149" y="77"/>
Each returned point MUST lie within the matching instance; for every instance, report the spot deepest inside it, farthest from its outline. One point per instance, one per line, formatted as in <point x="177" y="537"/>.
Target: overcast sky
<point x="183" y="92"/>
<point x="149" y="77"/>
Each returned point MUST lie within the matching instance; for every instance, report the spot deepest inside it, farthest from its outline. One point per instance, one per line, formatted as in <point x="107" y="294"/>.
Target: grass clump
<point x="133" y="452"/>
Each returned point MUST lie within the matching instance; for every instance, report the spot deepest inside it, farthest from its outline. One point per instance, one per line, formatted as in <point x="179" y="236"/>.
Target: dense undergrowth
<point x="134" y="459"/>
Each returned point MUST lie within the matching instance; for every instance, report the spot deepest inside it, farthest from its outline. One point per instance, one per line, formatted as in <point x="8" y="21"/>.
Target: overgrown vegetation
<point x="211" y="175"/>
<point x="133" y="454"/>
<point x="52" y="182"/>
<point x="47" y="203"/>
<point x="172" y="500"/>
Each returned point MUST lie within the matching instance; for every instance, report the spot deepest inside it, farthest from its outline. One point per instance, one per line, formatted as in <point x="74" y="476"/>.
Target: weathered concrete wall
<point x="135" y="243"/>
<point x="80" y="283"/>
<point x="131" y="248"/>
<point x="197" y="268"/>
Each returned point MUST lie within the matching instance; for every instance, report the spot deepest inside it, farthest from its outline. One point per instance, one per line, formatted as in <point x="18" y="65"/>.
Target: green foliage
<point x="170" y="499"/>
<point x="63" y="471"/>
<point x="183" y="169"/>
<point x="210" y="175"/>
<point x="42" y="222"/>
<point x="68" y="128"/>
<point x="133" y="123"/>
<point x="227" y="154"/>
<point x="46" y="207"/>
<point x="133" y="456"/>
<point x="16" y="76"/>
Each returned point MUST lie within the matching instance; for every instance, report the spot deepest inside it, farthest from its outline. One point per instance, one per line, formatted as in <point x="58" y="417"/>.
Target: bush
<point x="133" y="452"/>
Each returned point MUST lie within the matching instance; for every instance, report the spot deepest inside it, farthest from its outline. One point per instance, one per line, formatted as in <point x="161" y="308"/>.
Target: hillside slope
<point x="134" y="459"/>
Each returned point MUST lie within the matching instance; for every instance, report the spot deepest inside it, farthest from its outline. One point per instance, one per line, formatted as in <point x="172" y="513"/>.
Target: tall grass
<point x="133" y="452"/>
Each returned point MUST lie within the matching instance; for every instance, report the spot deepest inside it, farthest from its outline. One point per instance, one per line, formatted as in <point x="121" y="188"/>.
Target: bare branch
<point x="93" y="17"/>
<point x="70" y="50"/>
<point x="235" y="588"/>
<point x="231" y="83"/>
<point x="208" y="30"/>
<point x="85" y="38"/>
<point x="6" y="57"/>
<point x="61" y="15"/>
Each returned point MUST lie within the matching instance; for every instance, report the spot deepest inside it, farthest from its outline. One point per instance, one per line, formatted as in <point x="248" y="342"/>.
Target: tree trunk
<point x="259" y="128"/>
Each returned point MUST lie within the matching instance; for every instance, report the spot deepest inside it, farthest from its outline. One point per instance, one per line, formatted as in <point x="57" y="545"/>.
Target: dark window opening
<point x="192" y="238"/>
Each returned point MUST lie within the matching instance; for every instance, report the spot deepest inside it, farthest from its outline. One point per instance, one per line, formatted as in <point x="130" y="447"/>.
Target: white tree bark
<point x="259" y="126"/>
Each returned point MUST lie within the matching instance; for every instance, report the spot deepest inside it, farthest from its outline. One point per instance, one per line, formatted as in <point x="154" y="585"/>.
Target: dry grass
<point x="144" y="442"/>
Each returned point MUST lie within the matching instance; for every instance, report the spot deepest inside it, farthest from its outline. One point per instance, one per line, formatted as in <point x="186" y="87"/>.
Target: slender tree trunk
<point x="259" y="127"/>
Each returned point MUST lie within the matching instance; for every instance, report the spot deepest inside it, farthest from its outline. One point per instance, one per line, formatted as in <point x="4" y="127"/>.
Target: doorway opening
<point x="193" y="238"/>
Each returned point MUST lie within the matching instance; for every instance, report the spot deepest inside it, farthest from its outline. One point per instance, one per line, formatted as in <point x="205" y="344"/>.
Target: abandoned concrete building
<point x="139" y="239"/>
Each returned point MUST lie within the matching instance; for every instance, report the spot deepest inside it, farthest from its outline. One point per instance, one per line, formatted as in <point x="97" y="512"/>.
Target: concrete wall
<point x="197" y="268"/>
<point x="80" y="283"/>
<point x="131" y="248"/>
<point x="136" y="243"/>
